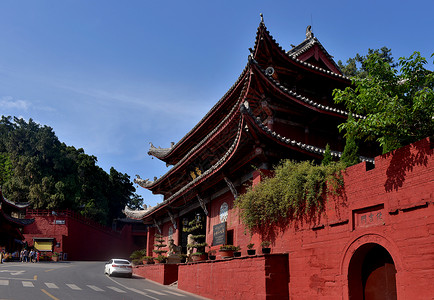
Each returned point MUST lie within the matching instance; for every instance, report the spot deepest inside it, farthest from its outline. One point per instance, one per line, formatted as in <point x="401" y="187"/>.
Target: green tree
<point x="397" y="104"/>
<point x="357" y="66"/>
<point x="327" y="159"/>
<point x="36" y="167"/>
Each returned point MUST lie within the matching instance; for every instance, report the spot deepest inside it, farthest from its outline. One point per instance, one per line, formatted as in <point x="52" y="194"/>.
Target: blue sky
<point x="111" y="76"/>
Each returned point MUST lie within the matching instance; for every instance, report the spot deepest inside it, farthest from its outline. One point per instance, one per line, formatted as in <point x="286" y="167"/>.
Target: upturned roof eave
<point x="147" y="215"/>
<point x="300" y="99"/>
<point x="290" y="143"/>
<point x="152" y="186"/>
<point x="170" y="152"/>
<point x="292" y="57"/>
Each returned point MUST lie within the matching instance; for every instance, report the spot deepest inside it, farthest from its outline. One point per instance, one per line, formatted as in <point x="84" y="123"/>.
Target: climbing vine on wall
<point x="297" y="189"/>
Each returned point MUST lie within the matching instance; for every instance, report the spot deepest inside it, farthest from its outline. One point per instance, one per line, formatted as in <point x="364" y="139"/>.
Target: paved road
<point x="77" y="280"/>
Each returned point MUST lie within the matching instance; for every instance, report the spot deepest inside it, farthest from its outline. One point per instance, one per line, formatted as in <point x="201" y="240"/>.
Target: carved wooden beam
<point x="202" y="204"/>
<point x="158" y="226"/>
<point x="172" y="218"/>
<point x="231" y="187"/>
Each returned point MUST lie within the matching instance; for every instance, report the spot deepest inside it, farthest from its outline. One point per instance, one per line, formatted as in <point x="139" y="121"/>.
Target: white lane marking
<point x="12" y="272"/>
<point x="51" y="285"/>
<point x="95" y="288"/>
<point x="73" y="286"/>
<point x="27" y="284"/>
<point x="116" y="289"/>
<point x="138" y="292"/>
<point x="133" y="290"/>
<point x="155" y="292"/>
<point x="174" y="293"/>
<point x="4" y="282"/>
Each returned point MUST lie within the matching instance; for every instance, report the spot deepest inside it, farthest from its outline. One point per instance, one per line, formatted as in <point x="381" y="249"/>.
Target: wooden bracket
<point x="202" y="204"/>
<point x="231" y="187"/>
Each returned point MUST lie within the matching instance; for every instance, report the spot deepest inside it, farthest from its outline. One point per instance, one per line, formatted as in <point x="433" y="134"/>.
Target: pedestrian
<point x="1" y="257"/>
<point x="25" y="255"/>
<point x="30" y="255"/>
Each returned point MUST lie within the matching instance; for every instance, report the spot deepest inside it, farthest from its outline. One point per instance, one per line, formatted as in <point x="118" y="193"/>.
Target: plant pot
<point x="55" y="258"/>
<point x="158" y="262"/>
<point x="237" y="254"/>
<point x="266" y="250"/>
<point x="226" y="253"/>
<point x="251" y="252"/>
<point x="199" y="257"/>
<point x="211" y="257"/>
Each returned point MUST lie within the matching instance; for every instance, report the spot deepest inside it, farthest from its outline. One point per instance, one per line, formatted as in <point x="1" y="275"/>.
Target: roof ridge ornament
<point x="309" y="33"/>
<point x="262" y="18"/>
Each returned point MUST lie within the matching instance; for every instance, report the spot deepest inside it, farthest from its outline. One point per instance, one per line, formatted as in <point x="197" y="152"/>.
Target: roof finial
<point x="309" y="33"/>
<point x="262" y="17"/>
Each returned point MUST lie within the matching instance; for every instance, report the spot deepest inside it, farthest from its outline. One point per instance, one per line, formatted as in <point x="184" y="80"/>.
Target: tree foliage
<point x="398" y="104"/>
<point x="357" y="66"/>
<point x="36" y="167"/>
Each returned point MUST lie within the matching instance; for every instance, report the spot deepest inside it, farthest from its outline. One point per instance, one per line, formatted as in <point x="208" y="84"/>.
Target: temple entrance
<point x="372" y="274"/>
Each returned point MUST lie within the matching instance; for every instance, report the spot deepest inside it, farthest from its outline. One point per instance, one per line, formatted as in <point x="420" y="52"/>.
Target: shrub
<point x="296" y="189"/>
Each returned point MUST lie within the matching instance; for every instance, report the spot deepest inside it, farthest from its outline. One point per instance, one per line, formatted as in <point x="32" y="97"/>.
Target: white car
<point x="119" y="267"/>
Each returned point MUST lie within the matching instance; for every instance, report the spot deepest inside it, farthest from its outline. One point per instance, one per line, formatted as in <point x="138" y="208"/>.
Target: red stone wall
<point x="81" y="239"/>
<point x="391" y="205"/>
<point x="257" y="277"/>
<point x="161" y="273"/>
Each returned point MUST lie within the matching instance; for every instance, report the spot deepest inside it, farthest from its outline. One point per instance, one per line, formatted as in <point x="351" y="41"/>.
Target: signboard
<point x="219" y="234"/>
<point x="60" y="222"/>
<point x="370" y="216"/>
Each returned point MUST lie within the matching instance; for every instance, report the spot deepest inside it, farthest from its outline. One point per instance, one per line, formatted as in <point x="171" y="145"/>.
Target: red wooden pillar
<point x="150" y="241"/>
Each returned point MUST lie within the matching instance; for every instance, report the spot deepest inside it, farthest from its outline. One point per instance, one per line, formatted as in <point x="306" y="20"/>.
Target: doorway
<point x="372" y="274"/>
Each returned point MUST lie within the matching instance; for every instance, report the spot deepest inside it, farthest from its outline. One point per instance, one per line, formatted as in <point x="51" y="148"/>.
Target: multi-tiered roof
<point x="281" y="106"/>
<point x="12" y="219"/>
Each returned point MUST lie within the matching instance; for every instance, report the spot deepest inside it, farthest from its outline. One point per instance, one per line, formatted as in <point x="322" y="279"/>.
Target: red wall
<point x="80" y="238"/>
<point x="161" y="273"/>
<point x="257" y="277"/>
<point x="391" y="205"/>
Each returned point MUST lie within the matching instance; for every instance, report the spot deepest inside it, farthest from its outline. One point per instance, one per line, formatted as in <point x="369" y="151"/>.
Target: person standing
<point x="25" y="255"/>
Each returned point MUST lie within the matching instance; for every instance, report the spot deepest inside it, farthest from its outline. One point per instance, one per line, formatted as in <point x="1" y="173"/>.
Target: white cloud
<point x="8" y="102"/>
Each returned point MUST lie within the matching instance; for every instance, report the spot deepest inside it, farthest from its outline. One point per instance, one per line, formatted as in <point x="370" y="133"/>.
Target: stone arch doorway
<point x="372" y="274"/>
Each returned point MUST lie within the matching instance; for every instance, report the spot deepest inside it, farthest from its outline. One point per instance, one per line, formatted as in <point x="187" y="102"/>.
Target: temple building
<point x="281" y="107"/>
<point x="12" y="222"/>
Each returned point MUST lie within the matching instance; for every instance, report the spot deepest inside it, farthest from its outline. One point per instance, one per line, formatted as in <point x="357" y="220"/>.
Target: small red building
<point x="12" y="223"/>
<point x="378" y="231"/>
<point x="78" y="238"/>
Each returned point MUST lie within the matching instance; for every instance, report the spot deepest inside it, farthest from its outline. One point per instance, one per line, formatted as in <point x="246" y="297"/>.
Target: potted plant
<point x="199" y="256"/>
<point x="160" y="259"/>
<point x="198" y="240"/>
<point x="160" y="244"/>
<point x="55" y="256"/>
<point x="137" y="256"/>
<point x="227" y="251"/>
<point x="266" y="247"/>
<point x="237" y="252"/>
<point x="250" y="250"/>
<point x="148" y="260"/>
<point x="211" y="254"/>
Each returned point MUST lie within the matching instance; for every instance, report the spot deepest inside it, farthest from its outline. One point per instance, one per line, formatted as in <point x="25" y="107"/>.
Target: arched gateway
<point x="372" y="274"/>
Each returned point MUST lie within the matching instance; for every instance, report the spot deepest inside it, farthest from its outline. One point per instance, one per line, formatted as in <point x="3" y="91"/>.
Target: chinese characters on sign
<point x="372" y="216"/>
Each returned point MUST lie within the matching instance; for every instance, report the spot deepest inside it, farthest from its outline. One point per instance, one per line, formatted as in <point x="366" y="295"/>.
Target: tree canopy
<point x="36" y="167"/>
<point x="397" y="100"/>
